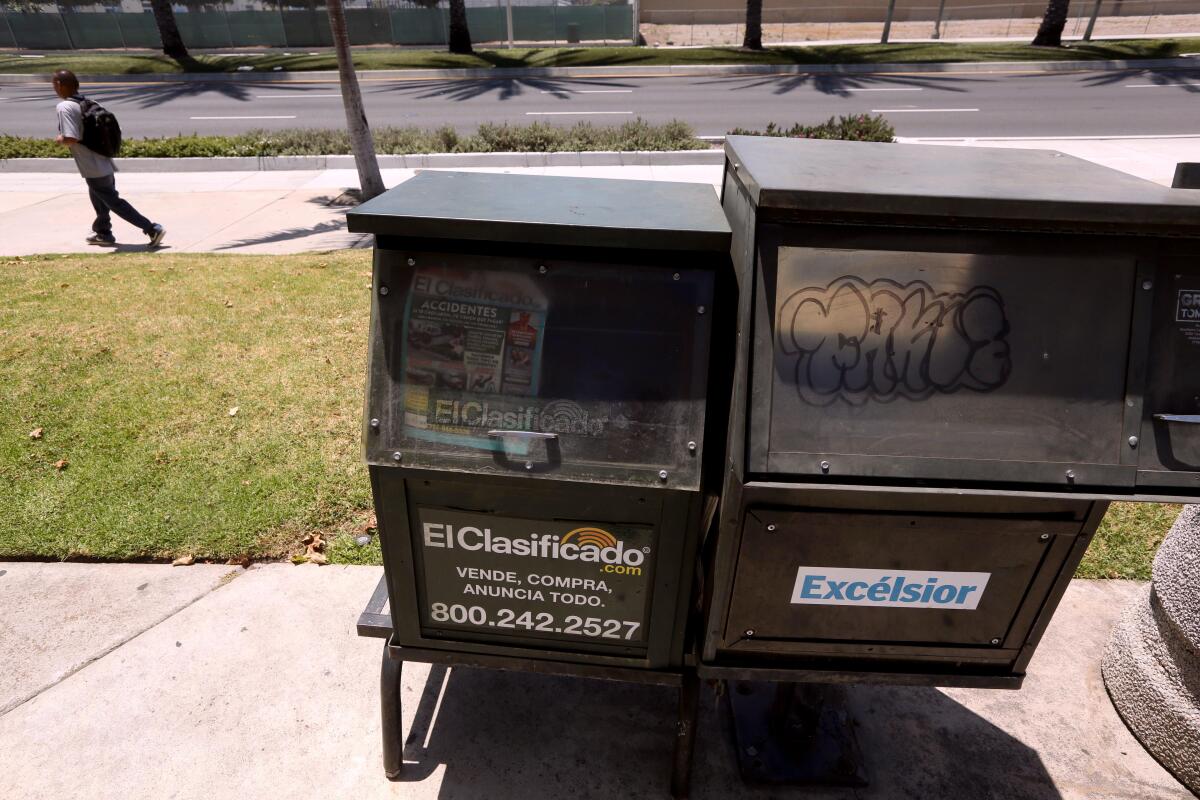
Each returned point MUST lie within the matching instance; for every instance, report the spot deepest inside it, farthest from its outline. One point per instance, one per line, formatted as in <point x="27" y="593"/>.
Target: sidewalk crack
<point x="13" y="705"/>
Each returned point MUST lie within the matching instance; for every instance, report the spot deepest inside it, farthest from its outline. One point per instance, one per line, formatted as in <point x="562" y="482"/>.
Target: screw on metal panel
<point x="542" y="269"/>
<point x="1044" y="536"/>
<point x="749" y="631"/>
<point x="1133" y="441"/>
<point x="824" y="466"/>
<point x="383" y="290"/>
<point x="771" y="527"/>
<point x="995" y="641"/>
<point x="1147" y="285"/>
<point x="1070" y="474"/>
<point x="662" y="474"/>
<point x="675" y="277"/>
<point x="528" y="465"/>
<point x="701" y="309"/>
<point x="375" y="425"/>
<point x="692" y="447"/>
<point x="397" y="456"/>
<point x="412" y="262"/>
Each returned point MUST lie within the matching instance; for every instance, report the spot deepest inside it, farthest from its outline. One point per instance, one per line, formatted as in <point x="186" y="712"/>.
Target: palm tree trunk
<point x="168" y="29"/>
<point x="361" y="144"/>
<point x="460" y="34"/>
<point x="753" y="38"/>
<point x="1055" y="20"/>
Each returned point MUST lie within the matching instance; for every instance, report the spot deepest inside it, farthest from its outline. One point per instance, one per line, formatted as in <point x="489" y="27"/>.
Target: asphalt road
<point x="999" y="103"/>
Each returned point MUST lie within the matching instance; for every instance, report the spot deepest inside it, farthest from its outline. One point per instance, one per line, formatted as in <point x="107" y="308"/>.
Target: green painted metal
<point x="309" y="28"/>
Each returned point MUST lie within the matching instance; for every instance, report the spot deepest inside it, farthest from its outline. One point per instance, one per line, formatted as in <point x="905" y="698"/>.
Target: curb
<point x="668" y="71"/>
<point x="639" y="158"/>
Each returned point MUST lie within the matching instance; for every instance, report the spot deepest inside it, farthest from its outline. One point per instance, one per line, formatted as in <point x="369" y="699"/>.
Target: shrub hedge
<point x="857" y="128"/>
<point x="489" y="138"/>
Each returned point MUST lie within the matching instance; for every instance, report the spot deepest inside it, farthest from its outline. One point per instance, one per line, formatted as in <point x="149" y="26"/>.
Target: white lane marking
<point x="295" y="96"/>
<point x="1046" y="138"/>
<point x="570" y="113"/>
<point x="244" y="118"/>
<point x="918" y="110"/>
<point x="587" y="91"/>
<point x="1161" y="85"/>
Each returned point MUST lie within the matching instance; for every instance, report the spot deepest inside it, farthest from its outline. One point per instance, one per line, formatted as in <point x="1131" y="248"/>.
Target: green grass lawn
<point x="131" y="366"/>
<point x="394" y="58"/>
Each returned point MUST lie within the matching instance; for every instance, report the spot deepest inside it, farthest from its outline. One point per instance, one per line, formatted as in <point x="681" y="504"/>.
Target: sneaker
<point x="156" y="235"/>
<point x="102" y="239"/>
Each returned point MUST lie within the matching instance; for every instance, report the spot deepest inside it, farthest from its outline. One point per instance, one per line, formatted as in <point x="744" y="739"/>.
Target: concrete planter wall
<point x="1152" y="664"/>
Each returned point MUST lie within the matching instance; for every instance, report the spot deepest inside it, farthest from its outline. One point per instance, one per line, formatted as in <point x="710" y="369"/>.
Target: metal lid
<point x="984" y="183"/>
<point x="541" y="209"/>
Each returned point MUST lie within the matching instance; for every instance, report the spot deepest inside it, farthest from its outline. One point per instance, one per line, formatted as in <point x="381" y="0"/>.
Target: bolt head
<point x="1147" y="285"/>
<point x="825" y="466"/>
<point x="542" y="269"/>
<point x="749" y="632"/>
<point x="1133" y="441"/>
<point x="397" y="456"/>
<point x="691" y="447"/>
<point x="412" y="262"/>
<point x="1070" y="474"/>
<point x="383" y="290"/>
<point x="751" y="751"/>
<point x="1044" y="537"/>
<point x="995" y="641"/>
<point x="374" y="424"/>
<point x="528" y="465"/>
<point x="701" y="309"/>
<point x="771" y="527"/>
<point x="662" y="474"/>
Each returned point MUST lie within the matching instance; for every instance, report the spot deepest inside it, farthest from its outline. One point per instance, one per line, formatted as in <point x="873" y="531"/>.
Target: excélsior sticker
<point x="889" y="588"/>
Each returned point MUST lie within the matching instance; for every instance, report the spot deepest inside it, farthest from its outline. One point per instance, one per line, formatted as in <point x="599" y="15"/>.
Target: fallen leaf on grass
<point x="184" y="561"/>
<point x="36" y="433"/>
<point x="61" y="464"/>
<point x="313" y="545"/>
<point x="233" y="411"/>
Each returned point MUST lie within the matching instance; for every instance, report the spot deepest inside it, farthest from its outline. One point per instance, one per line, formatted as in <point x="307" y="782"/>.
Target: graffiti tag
<point x="881" y="340"/>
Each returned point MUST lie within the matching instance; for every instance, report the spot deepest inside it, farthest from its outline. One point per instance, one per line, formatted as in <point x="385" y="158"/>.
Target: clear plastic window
<point x="565" y="369"/>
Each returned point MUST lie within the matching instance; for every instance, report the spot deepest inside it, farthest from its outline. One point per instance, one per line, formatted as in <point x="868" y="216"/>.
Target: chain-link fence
<point x="917" y="19"/>
<point x="217" y="25"/>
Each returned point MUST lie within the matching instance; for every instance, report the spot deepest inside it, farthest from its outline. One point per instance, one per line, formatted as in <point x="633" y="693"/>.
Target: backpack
<point x="101" y="132"/>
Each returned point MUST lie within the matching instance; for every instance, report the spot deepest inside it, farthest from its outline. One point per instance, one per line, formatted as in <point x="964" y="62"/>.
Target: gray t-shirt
<point x="70" y="124"/>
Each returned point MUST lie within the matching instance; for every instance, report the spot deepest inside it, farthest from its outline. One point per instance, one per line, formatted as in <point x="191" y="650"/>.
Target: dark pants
<point x="103" y="192"/>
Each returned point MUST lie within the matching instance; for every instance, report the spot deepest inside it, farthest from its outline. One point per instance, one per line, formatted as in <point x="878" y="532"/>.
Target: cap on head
<point x="67" y="80"/>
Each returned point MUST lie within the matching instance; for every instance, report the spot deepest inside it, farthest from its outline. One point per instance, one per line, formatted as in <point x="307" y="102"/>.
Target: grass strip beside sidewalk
<point x="96" y="63"/>
<point x="206" y="405"/>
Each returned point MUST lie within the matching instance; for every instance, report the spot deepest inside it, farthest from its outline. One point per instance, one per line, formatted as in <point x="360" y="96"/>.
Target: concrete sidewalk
<point x="226" y="212"/>
<point x="147" y="681"/>
<point x="299" y="211"/>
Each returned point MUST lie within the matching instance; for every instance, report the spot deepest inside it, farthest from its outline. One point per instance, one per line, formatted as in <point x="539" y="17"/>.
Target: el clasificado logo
<point x="588" y="544"/>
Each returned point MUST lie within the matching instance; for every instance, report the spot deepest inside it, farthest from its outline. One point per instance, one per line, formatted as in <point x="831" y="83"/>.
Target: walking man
<point x="97" y="169"/>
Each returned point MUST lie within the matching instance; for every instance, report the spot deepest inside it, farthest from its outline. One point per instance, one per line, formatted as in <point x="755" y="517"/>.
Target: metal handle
<point x="1189" y="419"/>
<point x="523" y="434"/>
